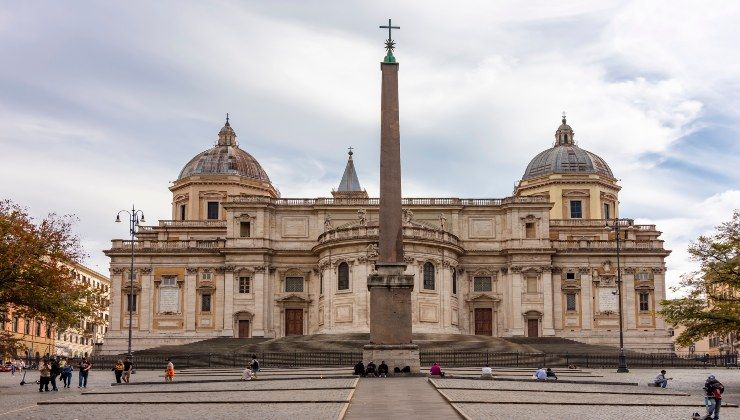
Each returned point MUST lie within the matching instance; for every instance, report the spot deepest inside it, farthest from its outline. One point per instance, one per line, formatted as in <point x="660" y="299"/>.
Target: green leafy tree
<point x="36" y="277"/>
<point x="711" y="305"/>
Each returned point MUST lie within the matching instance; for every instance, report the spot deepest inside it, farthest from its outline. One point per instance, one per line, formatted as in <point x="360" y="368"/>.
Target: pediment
<point x="482" y="297"/>
<point x="293" y="298"/>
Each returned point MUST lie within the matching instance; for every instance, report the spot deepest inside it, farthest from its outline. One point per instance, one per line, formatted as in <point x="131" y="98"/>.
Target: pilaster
<point x="587" y="301"/>
<point x="517" y="321"/>
<point x="228" y="320"/>
<point x="147" y="300"/>
<point x="547" y="317"/>
<point x="630" y="309"/>
<point x="258" y="321"/>
<point x="191" y="281"/>
<point x="117" y="277"/>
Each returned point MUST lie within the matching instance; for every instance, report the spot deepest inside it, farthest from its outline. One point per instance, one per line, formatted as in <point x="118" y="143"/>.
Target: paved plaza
<point x="332" y="393"/>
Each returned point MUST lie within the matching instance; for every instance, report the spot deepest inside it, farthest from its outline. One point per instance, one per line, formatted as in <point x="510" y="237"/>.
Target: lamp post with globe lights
<point x="134" y="216"/>
<point x="617" y="226"/>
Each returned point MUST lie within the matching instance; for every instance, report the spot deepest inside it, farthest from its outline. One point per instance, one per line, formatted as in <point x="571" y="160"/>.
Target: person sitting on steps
<point x="486" y="372"/>
<point x="370" y="369"/>
<point x="661" y="380"/>
<point x="359" y="369"/>
<point x="436" y="370"/>
<point x="383" y="369"/>
<point x="551" y="375"/>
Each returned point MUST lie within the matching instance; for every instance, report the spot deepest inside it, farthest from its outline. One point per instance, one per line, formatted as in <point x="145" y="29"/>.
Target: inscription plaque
<point x="169" y="299"/>
<point x="608" y="299"/>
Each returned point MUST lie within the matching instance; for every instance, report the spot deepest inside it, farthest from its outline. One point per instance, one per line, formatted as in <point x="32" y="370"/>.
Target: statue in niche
<point x="327" y="223"/>
<point x="362" y="216"/>
<point x="442" y="222"/>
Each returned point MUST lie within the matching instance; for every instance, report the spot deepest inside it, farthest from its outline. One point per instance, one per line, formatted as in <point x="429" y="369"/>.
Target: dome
<point x="226" y="158"/>
<point x="566" y="158"/>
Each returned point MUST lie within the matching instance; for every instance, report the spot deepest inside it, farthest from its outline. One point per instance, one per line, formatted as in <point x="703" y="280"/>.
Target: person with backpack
<point x="118" y="370"/>
<point x="85" y="367"/>
<point x="714" y="390"/>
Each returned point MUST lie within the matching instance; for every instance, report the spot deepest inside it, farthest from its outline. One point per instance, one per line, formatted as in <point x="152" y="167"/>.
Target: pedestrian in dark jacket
<point x="713" y="389"/>
<point x="55" y="371"/>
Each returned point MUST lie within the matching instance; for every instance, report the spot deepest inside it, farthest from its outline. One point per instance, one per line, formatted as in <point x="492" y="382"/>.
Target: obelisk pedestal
<point x="390" y="288"/>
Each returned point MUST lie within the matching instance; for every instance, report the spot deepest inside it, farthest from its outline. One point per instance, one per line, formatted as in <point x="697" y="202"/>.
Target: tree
<point x="711" y="306"/>
<point x="36" y="276"/>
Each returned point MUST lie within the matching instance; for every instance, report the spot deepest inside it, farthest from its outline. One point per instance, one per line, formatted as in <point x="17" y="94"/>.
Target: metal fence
<point x="636" y="360"/>
<point x="446" y="359"/>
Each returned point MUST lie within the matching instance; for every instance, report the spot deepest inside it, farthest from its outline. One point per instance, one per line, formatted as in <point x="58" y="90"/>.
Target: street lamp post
<point x="616" y="227"/>
<point x="134" y="219"/>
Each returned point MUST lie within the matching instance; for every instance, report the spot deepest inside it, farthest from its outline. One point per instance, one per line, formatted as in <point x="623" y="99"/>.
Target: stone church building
<point x="238" y="260"/>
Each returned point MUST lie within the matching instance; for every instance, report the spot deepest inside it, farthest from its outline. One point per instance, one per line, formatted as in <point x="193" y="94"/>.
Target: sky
<point x="102" y="103"/>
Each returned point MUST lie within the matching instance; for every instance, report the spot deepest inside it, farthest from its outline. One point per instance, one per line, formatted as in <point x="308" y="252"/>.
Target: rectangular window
<point x="529" y="231"/>
<point x="245" y="229"/>
<point x="321" y="284"/>
<point x="16" y="321"/>
<point x="642" y="275"/>
<point x="244" y="283"/>
<point x="205" y="303"/>
<point x="38" y="328"/>
<point x="482" y="284"/>
<point x="576" y="212"/>
<point x="454" y="281"/>
<point x="644" y="301"/>
<point x="570" y="276"/>
<point x="531" y="284"/>
<point x="48" y="330"/>
<point x="169" y="281"/>
<point x="570" y="302"/>
<point x="607" y="215"/>
<point x="213" y="209"/>
<point x="26" y="326"/>
<point x="294" y="284"/>
<point x="205" y="276"/>
<point x="131" y="303"/>
<point x="183" y="209"/>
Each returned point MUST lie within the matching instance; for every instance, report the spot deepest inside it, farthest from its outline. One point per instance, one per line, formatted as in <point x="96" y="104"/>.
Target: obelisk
<point x="390" y="288"/>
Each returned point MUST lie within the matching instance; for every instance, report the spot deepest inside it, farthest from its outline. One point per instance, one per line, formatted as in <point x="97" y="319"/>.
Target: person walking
<point x="66" y="376"/>
<point x="714" y="390"/>
<point x="169" y="372"/>
<point x="45" y="374"/>
<point x="118" y="370"/>
<point x="13" y="364"/>
<point x="55" y="371"/>
<point x="255" y="365"/>
<point x="85" y="367"/>
<point x="128" y="366"/>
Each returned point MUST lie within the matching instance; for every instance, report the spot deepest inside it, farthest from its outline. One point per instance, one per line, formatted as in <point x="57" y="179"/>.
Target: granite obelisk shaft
<point x="391" y="234"/>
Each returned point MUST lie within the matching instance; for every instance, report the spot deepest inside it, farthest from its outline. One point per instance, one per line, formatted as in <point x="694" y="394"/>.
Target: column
<point x="228" y="330"/>
<point x="260" y="305"/>
<point x="517" y="323"/>
<point x="191" y="282"/>
<point x="116" y="302"/>
<point x="557" y="299"/>
<point x="628" y="288"/>
<point x="146" y="311"/>
<point x="547" y="317"/>
<point x="658" y="296"/>
<point x="587" y="301"/>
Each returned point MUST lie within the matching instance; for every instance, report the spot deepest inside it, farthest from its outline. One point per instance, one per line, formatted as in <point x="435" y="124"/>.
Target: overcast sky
<point x="102" y="103"/>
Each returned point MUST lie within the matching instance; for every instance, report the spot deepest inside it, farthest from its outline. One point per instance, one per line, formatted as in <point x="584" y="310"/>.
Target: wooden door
<point x="533" y="328"/>
<point x="243" y="328"/>
<point x="294" y="322"/>
<point x="483" y="321"/>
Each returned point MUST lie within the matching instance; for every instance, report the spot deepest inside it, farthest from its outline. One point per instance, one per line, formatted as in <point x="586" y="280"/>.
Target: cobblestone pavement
<point x="547" y="386"/>
<point x="21" y="402"/>
<point x="563" y="412"/>
<point x="189" y="411"/>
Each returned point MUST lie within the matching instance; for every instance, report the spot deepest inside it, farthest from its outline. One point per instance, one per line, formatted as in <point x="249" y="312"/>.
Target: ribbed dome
<point x="566" y="157"/>
<point x="226" y="158"/>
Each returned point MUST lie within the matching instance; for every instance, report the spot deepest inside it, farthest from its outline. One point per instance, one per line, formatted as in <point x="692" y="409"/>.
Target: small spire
<point x="227" y="135"/>
<point x="227" y="118"/>
<point x="562" y="119"/>
<point x="349" y="182"/>
<point x="350" y="152"/>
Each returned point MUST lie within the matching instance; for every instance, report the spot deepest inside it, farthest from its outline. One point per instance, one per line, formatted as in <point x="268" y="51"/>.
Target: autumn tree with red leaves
<point x="36" y="277"/>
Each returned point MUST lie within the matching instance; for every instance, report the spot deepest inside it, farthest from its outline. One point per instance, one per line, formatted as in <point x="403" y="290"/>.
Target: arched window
<point x="343" y="276"/>
<point x="429" y="276"/>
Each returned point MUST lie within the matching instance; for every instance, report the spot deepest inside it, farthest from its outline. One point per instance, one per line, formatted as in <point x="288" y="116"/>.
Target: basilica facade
<point x="238" y="260"/>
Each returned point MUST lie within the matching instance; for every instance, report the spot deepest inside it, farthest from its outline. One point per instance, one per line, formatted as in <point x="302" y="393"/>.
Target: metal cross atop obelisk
<point x="389" y="285"/>
<point x="389" y="43"/>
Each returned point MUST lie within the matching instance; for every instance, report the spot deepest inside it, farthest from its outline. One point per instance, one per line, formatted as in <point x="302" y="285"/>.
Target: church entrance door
<point x="533" y="328"/>
<point x="483" y="321"/>
<point x="294" y="322"/>
<point x="243" y="328"/>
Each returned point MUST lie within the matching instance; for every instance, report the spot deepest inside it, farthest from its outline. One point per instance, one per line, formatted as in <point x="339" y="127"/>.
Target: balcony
<point x="375" y="201"/>
<point x="600" y="245"/>
<point x="370" y="233"/>
<point x="210" y="245"/>
<point x="596" y="223"/>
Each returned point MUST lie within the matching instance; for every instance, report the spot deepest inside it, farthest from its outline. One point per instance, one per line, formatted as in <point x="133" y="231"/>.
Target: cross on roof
<point x="389" y="44"/>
